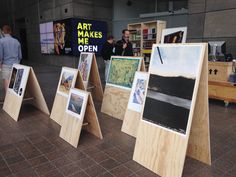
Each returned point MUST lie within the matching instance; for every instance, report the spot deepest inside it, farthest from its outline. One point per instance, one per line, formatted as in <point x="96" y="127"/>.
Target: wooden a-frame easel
<point x="60" y="101"/>
<point x="163" y="151"/>
<point x="72" y="126"/>
<point x="116" y="99"/>
<point x="95" y="84"/>
<point x="13" y="103"/>
<point x="132" y="118"/>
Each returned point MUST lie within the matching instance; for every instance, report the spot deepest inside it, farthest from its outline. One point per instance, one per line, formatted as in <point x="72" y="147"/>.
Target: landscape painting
<point x="174" y="35"/>
<point x="122" y="71"/>
<point x="171" y="85"/>
<point x="85" y="65"/>
<point x="76" y="104"/>
<point x="67" y="81"/>
<point x="137" y="95"/>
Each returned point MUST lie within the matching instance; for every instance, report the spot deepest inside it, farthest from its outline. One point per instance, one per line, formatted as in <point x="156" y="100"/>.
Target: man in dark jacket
<point x="107" y="52"/>
<point x="124" y="47"/>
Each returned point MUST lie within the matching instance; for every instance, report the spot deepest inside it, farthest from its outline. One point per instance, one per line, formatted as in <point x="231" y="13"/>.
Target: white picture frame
<point x="65" y="74"/>
<point x="188" y="66"/>
<point x="84" y="66"/>
<point x="18" y="79"/>
<point x="122" y="85"/>
<point x="137" y="95"/>
<point x="169" y="31"/>
<point x="77" y="103"/>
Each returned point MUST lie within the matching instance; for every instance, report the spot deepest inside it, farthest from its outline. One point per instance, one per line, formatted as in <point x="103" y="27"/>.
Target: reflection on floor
<point x="32" y="147"/>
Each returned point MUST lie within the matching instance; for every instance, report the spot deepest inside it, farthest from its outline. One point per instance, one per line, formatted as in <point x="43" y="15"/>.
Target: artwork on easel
<point x="23" y="85"/>
<point x="171" y="86"/>
<point x="67" y="81"/>
<point x="84" y="66"/>
<point x="79" y="114"/>
<point x="174" y="35"/>
<point x="18" y="80"/>
<point x="13" y="78"/>
<point x="76" y="104"/>
<point x="137" y="94"/>
<point x="122" y="70"/>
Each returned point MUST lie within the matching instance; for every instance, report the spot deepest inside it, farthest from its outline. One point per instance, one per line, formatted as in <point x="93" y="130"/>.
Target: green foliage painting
<point x="122" y="71"/>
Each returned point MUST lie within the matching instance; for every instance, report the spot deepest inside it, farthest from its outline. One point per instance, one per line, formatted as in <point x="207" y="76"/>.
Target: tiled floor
<point x="32" y="147"/>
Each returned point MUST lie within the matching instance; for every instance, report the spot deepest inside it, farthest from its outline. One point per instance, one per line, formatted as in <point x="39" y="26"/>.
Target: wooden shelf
<point x="137" y="29"/>
<point x="134" y="40"/>
<point x="149" y="40"/>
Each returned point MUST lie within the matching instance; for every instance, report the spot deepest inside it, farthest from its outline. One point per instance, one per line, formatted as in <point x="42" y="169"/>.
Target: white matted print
<point x="84" y="66"/>
<point x="137" y="95"/>
<point x="172" y="86"/>
<point x="77" y="103"/>
<point x="122" y="71"/>
<point x="170" y="60"/>
<point x="174" y="35"/>
<point x="67" y="81"/>
<point x="18" y="80"/>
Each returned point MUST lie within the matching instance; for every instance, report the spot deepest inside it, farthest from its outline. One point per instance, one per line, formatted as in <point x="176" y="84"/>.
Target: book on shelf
<point x="149" y="33"/>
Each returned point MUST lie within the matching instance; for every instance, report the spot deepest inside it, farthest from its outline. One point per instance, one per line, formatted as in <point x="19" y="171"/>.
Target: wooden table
<point x="219" y="87"/>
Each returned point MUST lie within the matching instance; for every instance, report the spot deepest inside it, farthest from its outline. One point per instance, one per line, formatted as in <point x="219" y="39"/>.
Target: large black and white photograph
<point x="171" y="85"/>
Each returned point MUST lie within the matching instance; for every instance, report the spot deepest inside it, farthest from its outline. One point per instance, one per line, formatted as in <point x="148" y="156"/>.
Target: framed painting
<point x="174" y="35"/>
<point x="122" y="71"/>
<point x="137" y="94"/>
<point x="18" y="79"/>
<point x="67" y="81"/>
<point x="84" y="66"/>
<point x="171" y="87"/>
<point x="77" y="102"/>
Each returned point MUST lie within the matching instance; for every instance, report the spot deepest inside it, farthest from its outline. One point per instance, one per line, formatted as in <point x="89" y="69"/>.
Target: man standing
<point x="124" y="47"/>
<point x="10" y="53"/>
<point x="107" y="52"/>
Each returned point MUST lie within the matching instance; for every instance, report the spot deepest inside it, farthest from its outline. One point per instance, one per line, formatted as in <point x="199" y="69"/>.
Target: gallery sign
<point x="72" y="36"/>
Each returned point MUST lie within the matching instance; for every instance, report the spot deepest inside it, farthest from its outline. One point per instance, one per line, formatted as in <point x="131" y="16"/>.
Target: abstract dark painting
<point x="171" y="86"/>
<point x="168" y="101"/>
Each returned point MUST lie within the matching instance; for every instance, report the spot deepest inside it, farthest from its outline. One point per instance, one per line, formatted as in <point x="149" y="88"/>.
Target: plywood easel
<point x="131" y="122"/>
<point x="115" y="99"/>
<point x="95" y="84"/>
<point x="71" y="126"/>
<point x="13" y="103"/>
<point x="133" y="116"/>
<point x="60" y="101"/>
<point x="199" y="139"/>
<point x="164" y="152"/>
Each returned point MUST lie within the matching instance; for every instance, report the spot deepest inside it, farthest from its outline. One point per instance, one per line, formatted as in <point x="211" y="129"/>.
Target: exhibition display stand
<point x="23" y="86"/>
<point x="162" y="140"/>
<point x="116" y="98"/>
<point x="60" y="101"/>
<point x="134" y="108"/>
<point x="90" y="74"/>
<point x="87" y="119"/>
